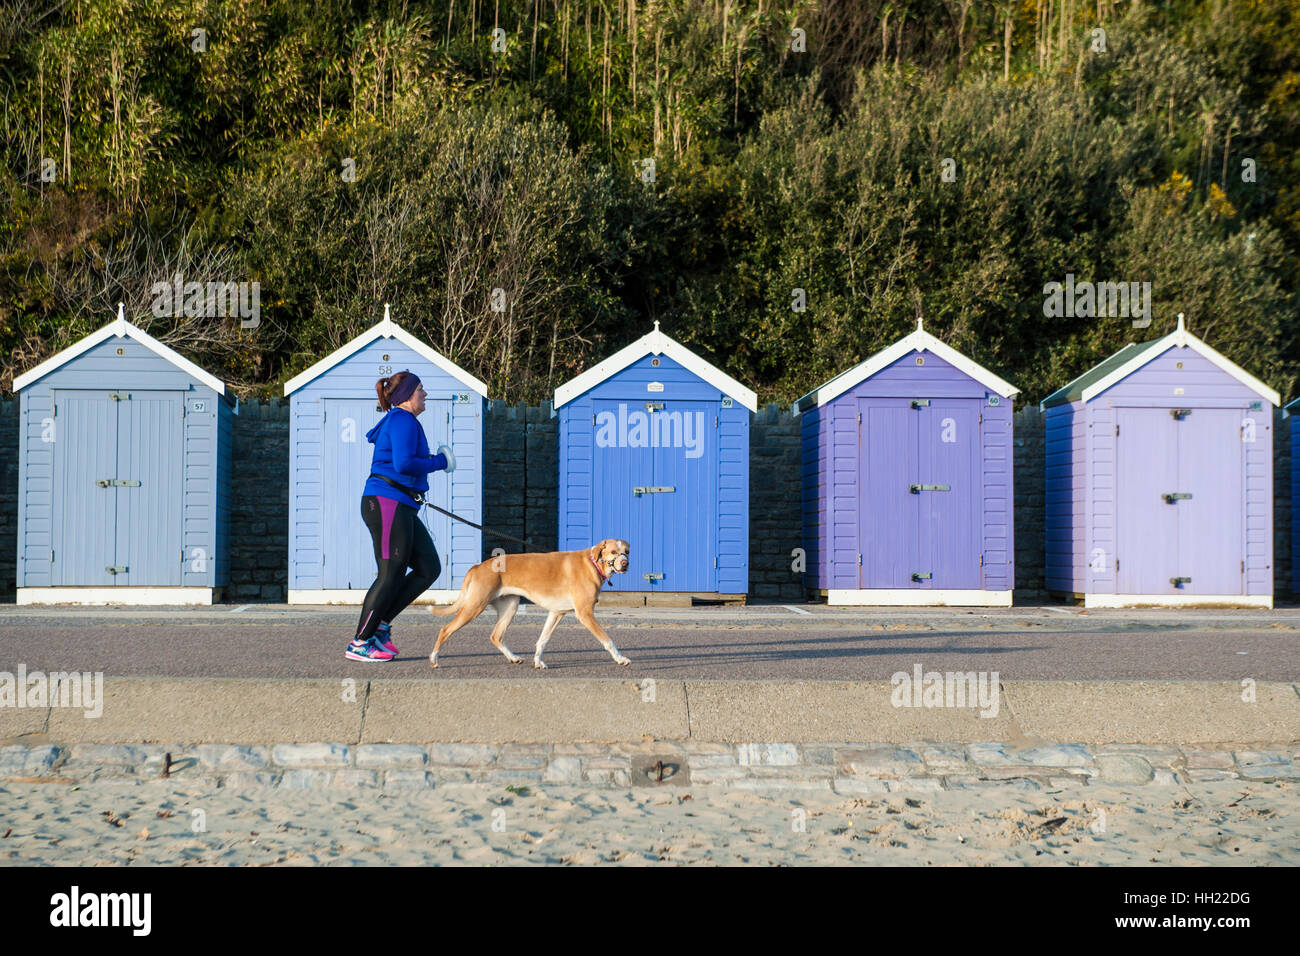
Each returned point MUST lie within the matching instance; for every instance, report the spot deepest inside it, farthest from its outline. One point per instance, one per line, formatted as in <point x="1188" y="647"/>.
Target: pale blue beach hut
<point x="124" y="475"/>
<point x="331" y="558"/>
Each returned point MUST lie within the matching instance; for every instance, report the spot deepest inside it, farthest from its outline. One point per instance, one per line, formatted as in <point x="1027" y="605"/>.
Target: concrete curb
<point x="210" y="710"/>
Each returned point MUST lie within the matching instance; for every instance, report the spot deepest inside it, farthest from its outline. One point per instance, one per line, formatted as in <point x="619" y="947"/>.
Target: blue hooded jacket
<point x="402" y="454"/>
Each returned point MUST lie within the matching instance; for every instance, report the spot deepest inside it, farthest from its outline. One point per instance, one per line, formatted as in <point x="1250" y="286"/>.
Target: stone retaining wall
<point x="846" y="768"/>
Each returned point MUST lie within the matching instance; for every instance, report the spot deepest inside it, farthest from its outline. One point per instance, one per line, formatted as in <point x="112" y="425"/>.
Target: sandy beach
<point x="125" y="822"/>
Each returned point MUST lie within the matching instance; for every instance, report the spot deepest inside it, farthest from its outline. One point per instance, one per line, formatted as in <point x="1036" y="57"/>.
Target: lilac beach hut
<point x="1159" y="480"/>
<point x="907" y="480"/>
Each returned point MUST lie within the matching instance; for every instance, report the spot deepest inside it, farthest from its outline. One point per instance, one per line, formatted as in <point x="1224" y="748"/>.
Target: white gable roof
<point x="1181" y="338"/>
<point x="120" y="328"/>
<point x="387" y="329"/>
<point x="918" y="341"/>
<point x="655" y="343"/>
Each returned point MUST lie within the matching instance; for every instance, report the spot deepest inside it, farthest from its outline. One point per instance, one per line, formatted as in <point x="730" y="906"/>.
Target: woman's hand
<point x="451" y="459"/>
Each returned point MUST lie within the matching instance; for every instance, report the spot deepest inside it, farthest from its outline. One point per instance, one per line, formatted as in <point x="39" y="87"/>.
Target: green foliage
<point x="774" y="170"/>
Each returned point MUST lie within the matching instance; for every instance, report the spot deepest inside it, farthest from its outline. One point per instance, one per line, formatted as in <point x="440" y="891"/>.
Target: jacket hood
<point x="374" y="432"/>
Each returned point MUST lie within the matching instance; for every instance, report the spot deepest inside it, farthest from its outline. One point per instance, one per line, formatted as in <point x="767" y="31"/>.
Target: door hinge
<point x="715" y="560"/>
<point x="859" y="560"/>
<point x="859" y="418"/>
<point x="182" y="555"/>
<point x="182" y="409"/>
<point x="715" y="421"/>
<point x="981" y="560"/>
<point x="1243" y="565"/>
<point x="1117" y="430"/>
<point x="51" y="557"/>
<point x="1117" y="564"/>
<point x="56" y="412"/>
<point x="593" y="419"/>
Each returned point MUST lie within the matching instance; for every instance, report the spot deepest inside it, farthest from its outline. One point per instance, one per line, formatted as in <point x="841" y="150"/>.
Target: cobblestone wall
<point x="774" y="521"/>
<point x="259" y="499"/>
<point x="1282" y="516"/>
<point x="1029" y="441"/>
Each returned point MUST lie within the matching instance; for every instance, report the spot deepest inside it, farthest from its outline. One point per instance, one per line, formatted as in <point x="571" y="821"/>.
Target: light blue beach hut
<point x="331" y="558"/>
<point x="124" y="475"/>
<point x="654" y="449"/>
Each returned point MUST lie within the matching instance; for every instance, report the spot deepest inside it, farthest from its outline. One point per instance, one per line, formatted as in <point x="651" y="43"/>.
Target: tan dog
<point x="560" y="581"/>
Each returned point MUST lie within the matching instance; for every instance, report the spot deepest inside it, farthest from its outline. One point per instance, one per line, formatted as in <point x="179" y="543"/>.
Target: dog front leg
<point x="547" y="629"/>
<point x="588" y="619"/>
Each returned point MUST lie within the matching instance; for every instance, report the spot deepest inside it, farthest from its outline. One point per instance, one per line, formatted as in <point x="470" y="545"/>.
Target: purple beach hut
<point x="1159" y="483"/>
<point x="907" y="483"/>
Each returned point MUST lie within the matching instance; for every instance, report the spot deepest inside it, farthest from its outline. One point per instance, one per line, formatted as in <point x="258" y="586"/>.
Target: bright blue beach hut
<point x="124" y="475"/>
<point x="331" y="557"/>
<point x="654" y="449"/>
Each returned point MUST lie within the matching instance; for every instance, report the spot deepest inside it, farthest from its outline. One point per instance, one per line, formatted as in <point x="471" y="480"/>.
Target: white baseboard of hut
<point x="136" y="596"/>
<point x="1177" y="600"/>
<point x="917" y="597"/>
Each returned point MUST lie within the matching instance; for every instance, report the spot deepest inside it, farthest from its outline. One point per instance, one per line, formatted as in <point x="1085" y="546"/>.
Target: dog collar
<point x="603" y="576"/>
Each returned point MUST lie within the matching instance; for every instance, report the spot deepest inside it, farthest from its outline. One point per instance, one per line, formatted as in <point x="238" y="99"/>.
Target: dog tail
<point x="447" y="610"/>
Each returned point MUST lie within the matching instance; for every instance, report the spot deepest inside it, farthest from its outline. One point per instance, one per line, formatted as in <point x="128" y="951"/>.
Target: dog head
<point x="612" y="555"/>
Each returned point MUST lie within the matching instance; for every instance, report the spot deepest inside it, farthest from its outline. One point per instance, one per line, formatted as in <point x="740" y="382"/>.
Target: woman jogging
<point x="389" y="506"/>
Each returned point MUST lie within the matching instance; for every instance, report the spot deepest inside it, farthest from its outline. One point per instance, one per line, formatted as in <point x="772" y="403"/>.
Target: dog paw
<point x="539" y="665"/>
<point x="433" y="664"/>
<point x="516" y="660"/>
<point x="623" y="661"/>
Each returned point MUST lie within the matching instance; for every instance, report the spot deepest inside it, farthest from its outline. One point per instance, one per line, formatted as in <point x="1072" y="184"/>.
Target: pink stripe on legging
<point x="387" y="508"/>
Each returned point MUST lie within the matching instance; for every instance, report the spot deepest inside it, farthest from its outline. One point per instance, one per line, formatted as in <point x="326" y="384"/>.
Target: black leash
<point x="418" y="498"/>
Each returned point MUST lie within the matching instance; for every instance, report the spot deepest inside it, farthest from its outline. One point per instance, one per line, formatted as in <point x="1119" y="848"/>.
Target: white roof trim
<point x="655" y="343"/>
<point x="122" y="328"/>
<point x="390" y="330"/>
<point x="1181" y="338"/>
<point x="918" y="341"/>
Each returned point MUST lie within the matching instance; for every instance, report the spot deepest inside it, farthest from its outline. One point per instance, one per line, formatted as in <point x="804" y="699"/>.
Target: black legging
<point x="401" y="540"/>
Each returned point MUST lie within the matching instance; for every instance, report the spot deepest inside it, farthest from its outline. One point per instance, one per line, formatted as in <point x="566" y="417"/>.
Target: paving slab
<point x="814" y="711"/>
<point x="522" y="711"/>
<point x="1154" y="712"/>
<point x="207" y="710"/>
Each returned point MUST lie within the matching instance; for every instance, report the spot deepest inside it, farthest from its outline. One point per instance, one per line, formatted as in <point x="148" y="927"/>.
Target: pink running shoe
<point x="384" y="637"/>
<point x="367" y="651"/>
